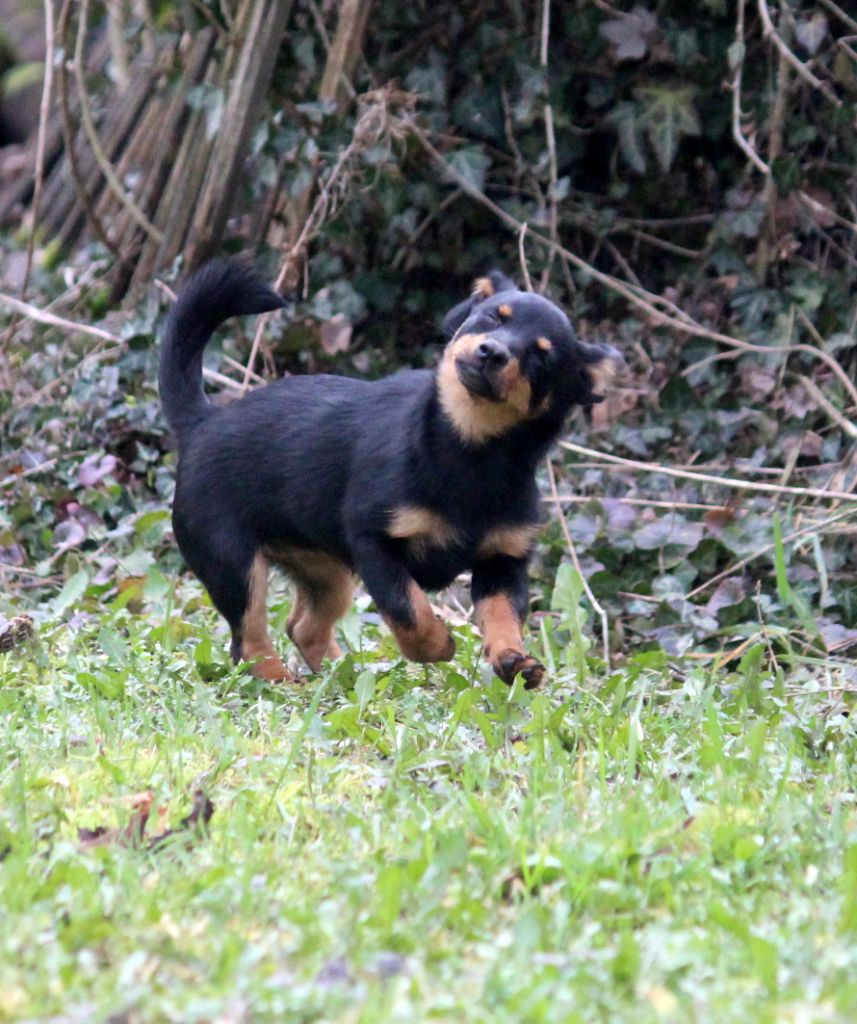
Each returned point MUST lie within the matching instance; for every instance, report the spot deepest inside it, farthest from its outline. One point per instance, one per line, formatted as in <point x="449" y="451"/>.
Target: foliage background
<point x="610" y="130"/>
<point x="672" y="838"/>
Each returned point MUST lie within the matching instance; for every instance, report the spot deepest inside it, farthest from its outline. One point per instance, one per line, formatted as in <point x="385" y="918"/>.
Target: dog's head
<point x="513" y="357"/>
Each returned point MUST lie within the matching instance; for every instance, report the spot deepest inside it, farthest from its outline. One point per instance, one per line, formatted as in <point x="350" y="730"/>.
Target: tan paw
<point x="270" y="668"/>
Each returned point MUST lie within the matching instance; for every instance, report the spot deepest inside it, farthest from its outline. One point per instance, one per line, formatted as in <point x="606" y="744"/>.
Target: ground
<point x="668" y="840"/>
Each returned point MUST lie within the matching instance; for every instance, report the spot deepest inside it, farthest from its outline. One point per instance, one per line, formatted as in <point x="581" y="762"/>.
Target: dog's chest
<point x="441" y="547"/>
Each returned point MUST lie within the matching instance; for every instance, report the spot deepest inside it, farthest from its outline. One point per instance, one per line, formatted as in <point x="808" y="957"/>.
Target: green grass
<point x="666" y="842"/>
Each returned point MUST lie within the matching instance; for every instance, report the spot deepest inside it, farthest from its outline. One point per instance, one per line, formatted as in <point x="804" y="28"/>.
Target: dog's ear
<point x="483" y="288"/>
<point x="605" y="366"/>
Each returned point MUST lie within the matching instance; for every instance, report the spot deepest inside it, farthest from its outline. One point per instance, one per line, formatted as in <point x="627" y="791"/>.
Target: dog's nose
<point x="493" y="353"/>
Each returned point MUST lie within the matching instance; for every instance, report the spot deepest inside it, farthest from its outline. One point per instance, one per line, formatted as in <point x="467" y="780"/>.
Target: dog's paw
<point x="433" y="642"/>
<point x="272" y="670"/>
<point x="509" y="663"/>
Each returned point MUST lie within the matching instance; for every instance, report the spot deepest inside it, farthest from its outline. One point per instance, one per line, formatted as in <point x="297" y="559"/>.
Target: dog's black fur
<point x="405" y="482"/>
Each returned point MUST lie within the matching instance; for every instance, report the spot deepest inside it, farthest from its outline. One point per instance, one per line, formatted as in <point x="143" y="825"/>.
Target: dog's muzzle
<point x="479" y="371"/>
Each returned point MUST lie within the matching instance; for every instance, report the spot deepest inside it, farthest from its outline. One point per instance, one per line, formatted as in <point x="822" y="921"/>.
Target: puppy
<point x="403" y="482"/>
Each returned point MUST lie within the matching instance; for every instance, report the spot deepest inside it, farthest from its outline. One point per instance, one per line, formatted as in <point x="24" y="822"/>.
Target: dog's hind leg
<point x="325" y="588"/>
<point x="238" y="587"/>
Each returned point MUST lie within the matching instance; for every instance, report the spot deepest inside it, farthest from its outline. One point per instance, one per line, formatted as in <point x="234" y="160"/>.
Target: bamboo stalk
<point x="263" y="26"/>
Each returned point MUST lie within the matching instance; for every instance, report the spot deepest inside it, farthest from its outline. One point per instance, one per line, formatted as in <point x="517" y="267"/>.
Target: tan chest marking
<point x="424" y="528"/>
<point x="514" y="541"/>
<point x="478" y="419"/>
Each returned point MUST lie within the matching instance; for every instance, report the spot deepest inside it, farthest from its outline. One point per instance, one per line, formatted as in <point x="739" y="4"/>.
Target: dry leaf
<point x="335" y="334"/>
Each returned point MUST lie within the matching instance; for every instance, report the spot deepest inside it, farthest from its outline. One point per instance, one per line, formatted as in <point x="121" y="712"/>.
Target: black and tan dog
<point x="404" y="482"/>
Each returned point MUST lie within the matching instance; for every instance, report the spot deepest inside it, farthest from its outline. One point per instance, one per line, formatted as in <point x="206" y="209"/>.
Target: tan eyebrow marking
<point x="544" y="344"/>
<point x="505" y="310"/>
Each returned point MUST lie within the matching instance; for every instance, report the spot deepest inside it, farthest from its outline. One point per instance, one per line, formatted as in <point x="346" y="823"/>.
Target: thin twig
<point x="522" y="256"/>
<point x="835" y="9"/>
<point x="43" y="317"/>
<point x="425" y="223"/>
<point x="241" y="368"/>
<point x="599" y="611"/>
<point x="669" y="222"/>
<point x="116" y="31"/>
<point x="821" y="399"/>
<point x="583" y="499"/>
<point x="737" y="133"/>
<point x="723" y="481"/>
<point x="657" y="243"/>
<point x="222" y="379"/>
<point x="825" y="211"/>
<point x="40" y="468"/>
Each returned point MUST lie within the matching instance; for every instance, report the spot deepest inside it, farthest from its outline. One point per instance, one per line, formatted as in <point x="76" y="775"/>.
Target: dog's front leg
<point x="500" y="598"/>
<point x="421" y="636"/>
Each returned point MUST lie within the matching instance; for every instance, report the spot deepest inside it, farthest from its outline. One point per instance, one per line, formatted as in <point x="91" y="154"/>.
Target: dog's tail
<point x="217" y="291"/>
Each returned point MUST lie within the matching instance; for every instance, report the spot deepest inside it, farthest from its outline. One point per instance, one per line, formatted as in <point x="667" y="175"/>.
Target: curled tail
<point x="217" y="291"/>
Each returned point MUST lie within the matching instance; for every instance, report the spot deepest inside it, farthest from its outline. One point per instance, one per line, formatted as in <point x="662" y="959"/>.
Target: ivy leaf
<point x="335" y="334"/>
<point x="94" y="468"/>
<point x="729" y="592"/>
<point x="471" y="163"/>
<point x="71" y="593"/>
<point x="744" y="222"/>
<point x="671" y="530"/>
<point x="735" y="55"/>
<point x="629" y="33"/>
<point x="624" y="119"/>
<point x="666" y="115"/>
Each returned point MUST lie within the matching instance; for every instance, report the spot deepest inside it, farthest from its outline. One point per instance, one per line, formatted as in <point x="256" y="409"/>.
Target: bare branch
<point x="43" y="317"/>
<point x="835" y="9"/>
<point x="821" y="399"/>
<point x="737" y="132"/>
<point x="522" y="256"/>
<point x="723" y="481"/>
